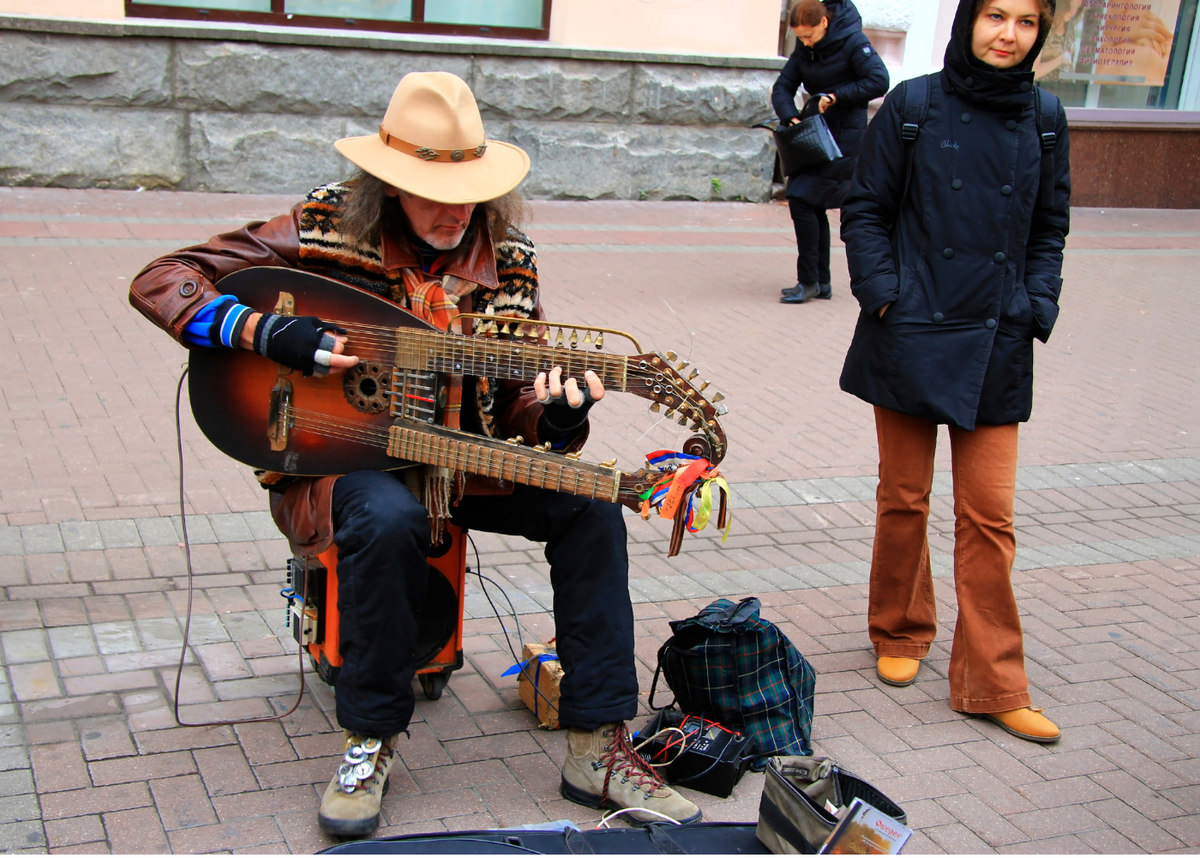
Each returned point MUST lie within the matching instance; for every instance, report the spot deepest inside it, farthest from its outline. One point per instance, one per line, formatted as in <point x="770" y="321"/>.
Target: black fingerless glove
<point x="562" y="420"/>
<point x="301" y="342"/>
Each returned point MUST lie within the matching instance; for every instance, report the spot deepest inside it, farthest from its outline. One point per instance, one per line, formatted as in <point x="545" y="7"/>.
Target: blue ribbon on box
<point x="537" y="675"/>
<point x="519" y="666"/>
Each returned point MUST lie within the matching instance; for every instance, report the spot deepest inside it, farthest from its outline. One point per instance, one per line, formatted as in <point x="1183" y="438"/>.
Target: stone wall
<point x="164" y="105"/>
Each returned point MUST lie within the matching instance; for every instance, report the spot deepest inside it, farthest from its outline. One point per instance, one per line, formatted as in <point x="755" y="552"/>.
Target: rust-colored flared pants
<point x="987" y="657"/>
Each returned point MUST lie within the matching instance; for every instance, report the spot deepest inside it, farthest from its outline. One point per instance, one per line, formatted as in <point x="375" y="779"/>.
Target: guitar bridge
<point x="279" y="420"/>
<point x="417" y="395"/>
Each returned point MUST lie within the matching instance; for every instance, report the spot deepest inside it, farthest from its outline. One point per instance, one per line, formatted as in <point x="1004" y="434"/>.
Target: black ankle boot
<point x="804" y="292"/>
<point x="825" y="290"/>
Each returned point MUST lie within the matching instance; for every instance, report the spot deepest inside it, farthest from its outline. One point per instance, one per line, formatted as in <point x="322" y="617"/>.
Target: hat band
<point x="425" y="153"/>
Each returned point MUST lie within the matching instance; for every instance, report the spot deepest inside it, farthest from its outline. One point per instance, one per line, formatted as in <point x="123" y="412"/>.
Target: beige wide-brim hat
<point x="432" y="144"/>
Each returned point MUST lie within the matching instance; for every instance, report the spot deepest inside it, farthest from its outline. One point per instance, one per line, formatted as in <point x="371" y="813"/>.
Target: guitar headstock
<point x="655" y="377"/>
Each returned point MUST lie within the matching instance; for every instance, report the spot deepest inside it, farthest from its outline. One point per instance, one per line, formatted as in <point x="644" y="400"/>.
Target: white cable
<point x="604" y="820"/>
<point x="682" y="748"/>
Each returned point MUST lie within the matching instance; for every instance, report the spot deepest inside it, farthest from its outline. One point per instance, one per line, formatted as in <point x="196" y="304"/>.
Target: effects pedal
<point x="707" y="757"/>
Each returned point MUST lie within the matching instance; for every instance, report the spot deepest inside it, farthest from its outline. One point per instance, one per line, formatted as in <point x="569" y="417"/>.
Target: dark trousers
<point x="382" y="534"/>
<point x="812" y="242"/>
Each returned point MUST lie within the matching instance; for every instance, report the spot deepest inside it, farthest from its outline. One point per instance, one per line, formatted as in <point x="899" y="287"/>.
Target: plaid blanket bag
<point x="730" y="665"/>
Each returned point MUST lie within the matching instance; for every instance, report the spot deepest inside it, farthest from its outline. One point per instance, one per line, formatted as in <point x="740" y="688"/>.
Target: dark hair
<point x="369" y="210"/>
<point x="1045" y="14"/>
<point x="807" y="13"/>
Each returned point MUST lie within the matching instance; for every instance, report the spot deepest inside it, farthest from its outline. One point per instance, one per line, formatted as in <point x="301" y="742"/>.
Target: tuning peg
<point x="722" y="410"/>
<point x="683" y="420"/>
<point x="683" y="364"/>
<point x="543" y="447"/>
<point x="717" y="397"/>
<point x="558" y="341"/>
<point x="695" y="372"/>
<point x="670" y="413"/>
<point x="587" y="337"/>
<point x="609" y="464"/>
<point x="704" y="386"/>
<point x="655" y="408"/>
<point x="517" y="441"/>
<point x="574" y="339"/>
<point x="671" y="356"/>
<point x="600" y="340"/>
<point x="696" y="424"/>
<point x="574" y="457"/>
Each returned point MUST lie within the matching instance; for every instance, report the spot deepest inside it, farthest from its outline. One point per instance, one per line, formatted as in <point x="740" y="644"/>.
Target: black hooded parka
<point x="844" y="65"/>
<point x="970" y="260"/>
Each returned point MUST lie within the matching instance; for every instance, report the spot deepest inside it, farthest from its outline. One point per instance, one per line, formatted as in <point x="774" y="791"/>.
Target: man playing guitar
<point x="428" y="223"/>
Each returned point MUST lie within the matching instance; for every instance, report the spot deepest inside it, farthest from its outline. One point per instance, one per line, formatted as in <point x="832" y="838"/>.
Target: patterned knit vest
<point x="324" y="250"/>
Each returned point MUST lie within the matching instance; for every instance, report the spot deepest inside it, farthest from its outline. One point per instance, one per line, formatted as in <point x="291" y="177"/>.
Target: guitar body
<point x="231" y="389"/>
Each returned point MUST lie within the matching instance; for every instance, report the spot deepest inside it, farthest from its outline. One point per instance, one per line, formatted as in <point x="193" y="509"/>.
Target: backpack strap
<point x="1046" y="106"/>
<point x="914" y="107"/>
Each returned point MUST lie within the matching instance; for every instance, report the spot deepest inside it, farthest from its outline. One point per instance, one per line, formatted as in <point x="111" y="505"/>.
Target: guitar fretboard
<point x="503" y="461"/>
<point x="435" y="351"/>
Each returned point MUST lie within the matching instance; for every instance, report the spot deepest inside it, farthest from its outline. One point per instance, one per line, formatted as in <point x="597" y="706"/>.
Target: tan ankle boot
<point x="350" y="806"/>
<point x="1027" y="723"/>
<point x="897" y="671"/>
<point x="603" y="770"/>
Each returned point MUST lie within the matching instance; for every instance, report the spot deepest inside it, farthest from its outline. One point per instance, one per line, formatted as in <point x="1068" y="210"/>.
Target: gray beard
<point x="444" y="243"/>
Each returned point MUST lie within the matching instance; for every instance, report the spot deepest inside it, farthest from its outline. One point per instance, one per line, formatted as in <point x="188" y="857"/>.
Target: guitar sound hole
<point x="365" y="386"/>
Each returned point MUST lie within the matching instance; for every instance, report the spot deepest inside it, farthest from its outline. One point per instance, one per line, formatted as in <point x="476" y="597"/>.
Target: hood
<point x="844" y="22"/>
<point x="976" y="81"/>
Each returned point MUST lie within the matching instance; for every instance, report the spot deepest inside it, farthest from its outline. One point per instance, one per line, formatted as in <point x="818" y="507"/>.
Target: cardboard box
<point x="547" y="675"/>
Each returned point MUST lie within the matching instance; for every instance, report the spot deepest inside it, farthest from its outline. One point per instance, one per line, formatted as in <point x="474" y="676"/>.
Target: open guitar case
<point x="699" y="838"/>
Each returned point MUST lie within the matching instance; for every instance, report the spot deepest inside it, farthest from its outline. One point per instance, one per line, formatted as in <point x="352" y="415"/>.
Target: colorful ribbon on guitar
<point x="685" y="493"/>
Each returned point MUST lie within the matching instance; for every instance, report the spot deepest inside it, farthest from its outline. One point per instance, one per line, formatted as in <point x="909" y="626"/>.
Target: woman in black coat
<point x="833" y="59"/>
<point x="955" y="244"/>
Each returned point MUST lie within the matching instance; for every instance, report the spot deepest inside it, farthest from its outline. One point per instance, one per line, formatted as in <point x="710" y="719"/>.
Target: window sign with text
<point x="1123" y="42"/>
<point x="1117" y="53"/>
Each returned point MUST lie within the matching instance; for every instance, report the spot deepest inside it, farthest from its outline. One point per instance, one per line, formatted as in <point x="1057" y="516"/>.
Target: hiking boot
<point x="1027" y="723"/>
<point x="897" y="671"/>
<point x="603" y="770"/>
<point x="350" y="806"/>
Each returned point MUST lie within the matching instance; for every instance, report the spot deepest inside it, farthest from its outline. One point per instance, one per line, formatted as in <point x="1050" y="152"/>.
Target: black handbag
<point x="806" y="145"/>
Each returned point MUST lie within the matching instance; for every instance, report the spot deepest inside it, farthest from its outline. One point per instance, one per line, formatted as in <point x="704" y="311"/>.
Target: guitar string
<point x="321" y="424"/>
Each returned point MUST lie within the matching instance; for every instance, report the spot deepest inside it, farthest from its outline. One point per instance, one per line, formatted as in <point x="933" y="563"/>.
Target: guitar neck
<point x="434" y="351"/>
<point x="434" y="445"/>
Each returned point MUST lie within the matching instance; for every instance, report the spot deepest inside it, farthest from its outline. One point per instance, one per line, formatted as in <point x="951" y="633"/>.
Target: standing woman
<point x="835" y="63"/>
<point x="955" y="260"/>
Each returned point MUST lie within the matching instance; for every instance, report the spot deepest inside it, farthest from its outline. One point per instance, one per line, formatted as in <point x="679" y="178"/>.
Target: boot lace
<point x="620" y="757"/>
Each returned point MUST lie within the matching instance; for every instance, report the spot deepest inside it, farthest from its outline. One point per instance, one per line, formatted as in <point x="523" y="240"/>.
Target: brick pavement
<point x="91" y="570"/>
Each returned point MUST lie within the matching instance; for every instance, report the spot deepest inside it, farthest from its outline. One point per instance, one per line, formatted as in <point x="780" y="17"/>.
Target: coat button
<point x="1026" y="86"/>
<point x="966" y="117"/>
<point x="989" y="324"/>
<point x="969" y="81"/>
<point x="1011" y="125"/>
<point x="956" y="184"/>
<point x="937" y="317"/>
<point x="1006" y="189"/>
<point x="948" y="253"/>
<point x="188" y="288"/>
<point x="999" y="257"/>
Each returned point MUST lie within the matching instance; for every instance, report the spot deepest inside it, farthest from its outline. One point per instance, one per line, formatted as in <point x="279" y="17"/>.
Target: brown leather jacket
<point x="173" y="288"/>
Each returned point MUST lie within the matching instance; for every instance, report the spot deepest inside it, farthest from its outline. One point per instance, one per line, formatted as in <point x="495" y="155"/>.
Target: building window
<point x="1121" y="53"/>
<point x="510" y="19"/>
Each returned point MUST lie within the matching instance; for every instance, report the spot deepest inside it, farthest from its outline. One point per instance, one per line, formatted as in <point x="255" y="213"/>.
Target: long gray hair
<point x="369" y="210"/>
